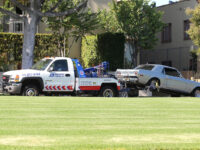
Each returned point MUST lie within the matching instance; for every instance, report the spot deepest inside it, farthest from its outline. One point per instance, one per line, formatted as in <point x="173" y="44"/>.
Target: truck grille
<point x="5" y="79"/>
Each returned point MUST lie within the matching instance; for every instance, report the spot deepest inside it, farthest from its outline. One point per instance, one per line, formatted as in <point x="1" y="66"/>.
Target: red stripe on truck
<point x="118" y="88"/>
<point x="59" y="88"/>
<point x="90" y="88"/>
<point x="54" y="87"/>
<point x="47" y="87"/>
<point x="63" y="87"/>
<point x="70" y="87"/>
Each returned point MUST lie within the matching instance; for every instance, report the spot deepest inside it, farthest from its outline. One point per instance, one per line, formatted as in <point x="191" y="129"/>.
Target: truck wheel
<point x="108" y="91"/>
<point x="196" y="92"/>
<point x="30" y="90"/>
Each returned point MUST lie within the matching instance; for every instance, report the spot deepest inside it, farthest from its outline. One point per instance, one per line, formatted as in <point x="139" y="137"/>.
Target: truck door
<point x="59" y="77"/>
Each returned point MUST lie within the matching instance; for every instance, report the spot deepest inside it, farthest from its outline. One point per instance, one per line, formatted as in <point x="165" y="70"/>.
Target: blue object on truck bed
<point x="79" y="68"/>
<point x="92" y="71"/>
<point x="97" y="71"/>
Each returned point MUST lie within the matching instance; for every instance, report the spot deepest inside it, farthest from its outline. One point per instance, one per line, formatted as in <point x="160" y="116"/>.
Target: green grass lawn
<point x="58" y="123"/>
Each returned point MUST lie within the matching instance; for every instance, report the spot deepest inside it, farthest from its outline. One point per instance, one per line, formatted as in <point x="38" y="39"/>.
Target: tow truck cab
<point x="60" y="75"/>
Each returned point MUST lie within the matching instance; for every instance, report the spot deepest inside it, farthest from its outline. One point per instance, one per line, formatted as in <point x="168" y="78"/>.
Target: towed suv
<point x="167" y="79"/>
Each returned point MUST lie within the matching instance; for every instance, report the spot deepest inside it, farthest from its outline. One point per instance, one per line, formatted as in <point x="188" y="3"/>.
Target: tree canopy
<point x="194" y="30"/>
<point x="34" y="11"/>
<point x="74" y="26"/>
<point x="137" y="19"/>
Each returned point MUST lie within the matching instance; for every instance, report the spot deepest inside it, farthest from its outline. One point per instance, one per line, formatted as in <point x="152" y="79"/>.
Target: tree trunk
<point x="30" y="27"/>
<point x="64" y="53"/>
<point x="134" y="53"/>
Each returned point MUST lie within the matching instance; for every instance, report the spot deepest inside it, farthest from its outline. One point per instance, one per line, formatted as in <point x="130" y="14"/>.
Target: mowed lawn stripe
<point x="99" y="123"/>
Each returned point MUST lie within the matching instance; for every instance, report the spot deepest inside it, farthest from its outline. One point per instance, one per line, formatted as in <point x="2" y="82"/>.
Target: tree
<point x="35" y="10"/>
<point x="194" y="30"/>
<point x="137" y="19"/>
<point x="74" y="26"/>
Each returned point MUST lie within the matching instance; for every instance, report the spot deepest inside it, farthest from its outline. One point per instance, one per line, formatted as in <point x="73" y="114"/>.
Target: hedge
<point x="103" y="47"/>
<point x="11" y="49"/>
<point x="89" y="53"/>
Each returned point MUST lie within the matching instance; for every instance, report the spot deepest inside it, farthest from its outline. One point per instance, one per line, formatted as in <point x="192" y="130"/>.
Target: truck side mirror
<point x="50" y="69"/>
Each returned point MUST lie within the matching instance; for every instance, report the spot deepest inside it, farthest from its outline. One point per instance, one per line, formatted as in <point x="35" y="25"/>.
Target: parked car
<point x="167" y="79"/>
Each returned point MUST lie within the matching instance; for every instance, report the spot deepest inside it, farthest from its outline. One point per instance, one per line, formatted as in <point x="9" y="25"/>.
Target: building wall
<point x="75" y="51"/>
<point x="178" y="50"/>
<point x="98" y="4"/>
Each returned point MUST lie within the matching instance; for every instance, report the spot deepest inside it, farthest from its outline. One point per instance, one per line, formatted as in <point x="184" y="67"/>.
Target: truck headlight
<point x="17" y="78"/>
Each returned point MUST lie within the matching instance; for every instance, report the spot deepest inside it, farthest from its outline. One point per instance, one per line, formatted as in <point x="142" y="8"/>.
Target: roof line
<point x="173" y="3"/>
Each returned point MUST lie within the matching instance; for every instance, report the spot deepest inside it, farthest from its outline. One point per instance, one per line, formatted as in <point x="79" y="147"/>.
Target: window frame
<point x="58" y="70"/>
<point x="18" y="25"/>
<point x="186" y="27"/>
<point x="165" y="32"/>
<point x="180" y="76"/>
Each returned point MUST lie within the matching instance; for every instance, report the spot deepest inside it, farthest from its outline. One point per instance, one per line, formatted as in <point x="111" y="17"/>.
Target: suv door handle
<point x="67" y="75"/>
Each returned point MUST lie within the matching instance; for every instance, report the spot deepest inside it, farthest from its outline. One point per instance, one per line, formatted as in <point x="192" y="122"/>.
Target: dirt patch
<point x="157" y="138"/>
<point x="26" y="141"/>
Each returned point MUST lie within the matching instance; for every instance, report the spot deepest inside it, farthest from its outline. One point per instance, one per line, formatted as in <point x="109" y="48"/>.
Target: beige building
<point x="174" y="45"/>
<point x="17" y="26"/>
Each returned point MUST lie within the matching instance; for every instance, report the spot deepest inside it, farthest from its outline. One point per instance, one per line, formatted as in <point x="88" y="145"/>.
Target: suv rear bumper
<point x="12" y="88"/>
<point x="129" y="80"/>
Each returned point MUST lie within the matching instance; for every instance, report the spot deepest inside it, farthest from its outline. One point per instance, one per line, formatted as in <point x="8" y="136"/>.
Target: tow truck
<point x="61" y="75"/>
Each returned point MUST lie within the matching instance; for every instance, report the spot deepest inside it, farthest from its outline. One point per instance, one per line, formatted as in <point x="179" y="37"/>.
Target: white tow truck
<point x="61" y="75"/>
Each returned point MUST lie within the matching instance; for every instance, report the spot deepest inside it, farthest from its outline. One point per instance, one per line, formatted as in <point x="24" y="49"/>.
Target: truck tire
<point x="108" y="91"/>
<point x="30" y="90"/>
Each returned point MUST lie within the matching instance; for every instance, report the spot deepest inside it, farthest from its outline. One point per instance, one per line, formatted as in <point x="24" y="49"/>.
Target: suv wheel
<point x="154" y="83"/>
<point x="196" y="92"/>
<point x="30" y="90"/>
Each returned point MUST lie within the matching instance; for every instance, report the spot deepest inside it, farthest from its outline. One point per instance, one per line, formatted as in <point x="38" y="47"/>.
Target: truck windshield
<point x="42" y="64"/>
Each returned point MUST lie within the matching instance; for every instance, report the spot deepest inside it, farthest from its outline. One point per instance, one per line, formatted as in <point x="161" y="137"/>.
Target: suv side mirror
<point x="181" y="76"/>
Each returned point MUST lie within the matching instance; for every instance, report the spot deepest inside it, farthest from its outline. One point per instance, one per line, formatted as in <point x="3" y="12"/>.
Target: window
<point x="145" y="67"/>
<point x="171" y="72"/>
<point x="186" y="28"/>
<point x="60" y="65"/>
<point x="42" y="64"/>
<point x="18" y="27"/>
<point x="193" y="64"/>
<point x="166" y="33"/>
<point x="18" y="11"/>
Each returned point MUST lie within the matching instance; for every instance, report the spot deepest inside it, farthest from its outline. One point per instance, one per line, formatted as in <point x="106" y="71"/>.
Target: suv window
<point x="60" y="65"/>
<point x="172" y="72"/>
<point x="145" y="67"/>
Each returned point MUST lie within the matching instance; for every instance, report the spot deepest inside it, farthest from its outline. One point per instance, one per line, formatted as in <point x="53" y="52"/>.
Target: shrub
<point x="111" y="49"/>
<point x="11" y="49"/>
<point x="103" y="47"/>
<point x="89" y="53"/>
